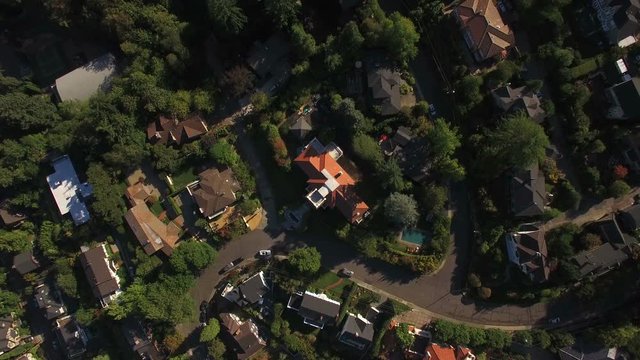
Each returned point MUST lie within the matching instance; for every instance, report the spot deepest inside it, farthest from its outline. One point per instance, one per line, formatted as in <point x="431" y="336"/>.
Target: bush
<point x="280" y="153"/>
<point x="210" y="331"/>
<point x="618" y="189"/>
<point x="474" y="281"/>
<point x="484" y="292"/>
<point x="568" y="197"/>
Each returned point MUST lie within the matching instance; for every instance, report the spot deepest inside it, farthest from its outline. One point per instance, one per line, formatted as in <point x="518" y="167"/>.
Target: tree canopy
<point x="305" y="261"/>
<point x="227" y="15"/>
<point x="191" y="257"/>
<point x="401" y="209"/>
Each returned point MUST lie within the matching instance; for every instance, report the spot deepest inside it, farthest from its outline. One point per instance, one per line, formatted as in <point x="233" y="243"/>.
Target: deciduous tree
<point x="305" y="261"/>
<point x="401" y="210"/>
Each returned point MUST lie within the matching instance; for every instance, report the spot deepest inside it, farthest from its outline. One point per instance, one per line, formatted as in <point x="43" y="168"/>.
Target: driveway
<point x="245" y="246"/>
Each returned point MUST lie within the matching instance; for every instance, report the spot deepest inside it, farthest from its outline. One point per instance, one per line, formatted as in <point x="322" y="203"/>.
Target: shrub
<point x="474" y="281"/>
<point x="210" y="331"/>
<point x="484" y="292"/>
<point x="618" y="189"/>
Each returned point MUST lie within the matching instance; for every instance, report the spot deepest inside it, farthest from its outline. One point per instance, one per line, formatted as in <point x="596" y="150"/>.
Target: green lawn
<point x="327" y="279"/>
<point x="183" y="177"/>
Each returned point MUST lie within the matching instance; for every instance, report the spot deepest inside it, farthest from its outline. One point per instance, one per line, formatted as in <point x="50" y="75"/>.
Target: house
<point x="527" y="192"/>
<point x="389" y="92"/>
<point x="49" y="302"/>
<point x="619" y="20"/>
<point x="439" y="352"/>
<point x="245" y="335"/>
<point x="392" y="145"/>
<point x="588" y="351"/>
<point x="265" y="56"/>
<point x="329" y="185"/>
<point x="317" y="310"/>
<point x="9" y="336"/>
<point x="101" y="273"/>
<point x="600" y="260"/>
<point x="624" y="99"/>
<point x="511" y="100"/>
<point x="527" y="249"/>
<point x="151" y="232"/>
<point x="168" y="131"/>
<point x="71" y="337"/>
<point x="70" y="195"/>
<point x="9" y="217"/>
<point x="214" y="192"/>
<point x="629" y="219"/>
<point x="302" y="126"/>
<point x="630" y="152"/>
<point x="254" y="289"/>
<point x="140" y="340"/>
<point x="483" y="29"/>
<point x="610" y="231"/>
<point x="25" y="263"/>
<point x="87" y="80"/>
<point x="357" y="332"/>
<point x="140" y="193"/>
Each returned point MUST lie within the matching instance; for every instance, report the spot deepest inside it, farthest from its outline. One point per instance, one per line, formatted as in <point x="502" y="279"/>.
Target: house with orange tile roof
<point x="329" y="185"/>
<point x="439" y="352"/>
<point x="484" y="31"/>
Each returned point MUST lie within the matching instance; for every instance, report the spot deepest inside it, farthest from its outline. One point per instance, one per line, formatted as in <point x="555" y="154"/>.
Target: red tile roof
<point x="438" y="352"/>
<point x="344" y="197"/>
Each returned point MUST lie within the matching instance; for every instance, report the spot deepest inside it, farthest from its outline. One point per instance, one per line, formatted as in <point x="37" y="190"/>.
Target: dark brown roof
<point x="486" y="28"/>
<point x="532" y="252"/>
<point x="94" y="264"/>
<point x="166" y="130"/>
<point x="215" y="191"/>
<point x="9" y="217"/>
<point x="245" y="334"/>
<point x="510" y="99"/>
<point x="528" y="192"/>
<point x="25" y="262"/>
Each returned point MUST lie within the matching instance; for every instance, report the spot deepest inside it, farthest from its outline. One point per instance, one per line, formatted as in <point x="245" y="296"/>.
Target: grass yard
<point x="183" y="177"/>
<point x="330" y="279"/>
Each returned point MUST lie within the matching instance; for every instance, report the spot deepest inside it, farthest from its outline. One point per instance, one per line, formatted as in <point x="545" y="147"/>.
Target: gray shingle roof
<point x="254" y="288"/>
<point x="600" y="259"/>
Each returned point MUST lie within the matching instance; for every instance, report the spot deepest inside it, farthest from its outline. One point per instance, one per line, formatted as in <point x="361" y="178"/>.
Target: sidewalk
<point x="419" y="316"/>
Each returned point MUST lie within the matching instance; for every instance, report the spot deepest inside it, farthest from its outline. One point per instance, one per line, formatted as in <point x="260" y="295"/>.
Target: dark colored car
<point x="203" y="306"/>
<point x="231" y="265"/>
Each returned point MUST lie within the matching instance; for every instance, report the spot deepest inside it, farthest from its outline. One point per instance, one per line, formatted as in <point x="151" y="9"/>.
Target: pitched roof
<point x="610" y="231"/>
<point x="528" y="193"/>
<point x="629" y="218"/>
<point x="531" y="249"/>
<point x="628" y="95"/>
<point x="318" y="307"/>
<point x="510" y="99"/>
<point x="384" y="85"/>
<point x="49" y="301"/>
<point x="254" y="288"/>
<point x="25" y="262"/>
<point x="439" y="352"/>
<point x="402" y="136"/>
<point x="215" y="191"/>
<point x="302" y="126"/>
<point x="9" y="337"/>
<point x="245" y="334"/>
<point x="152" y="233"/>
<point x="600" y="259"/>
<point x="619" y="19"/>
<point x="488" y="32"/>
<point x="67" y="190"/>
<point x="166" y="130"/>
<point x="71" y="336"/>
<point x="102" y="279"/>
<point x="330" y="179"/>
<point x="357" y="329"/>
<point x="138" y="193"/>
<point x="9" y="217"/>
<point x="264" y="56"/>
<point x="587" y="351"/>
<point x="85" y="81"/>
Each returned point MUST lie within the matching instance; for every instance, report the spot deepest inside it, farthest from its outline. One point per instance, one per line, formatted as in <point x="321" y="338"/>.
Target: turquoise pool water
<point x="415" y="236"/>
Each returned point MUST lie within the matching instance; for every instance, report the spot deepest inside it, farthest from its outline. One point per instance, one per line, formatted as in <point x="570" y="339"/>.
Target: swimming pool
<point x="415" y="236"/>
